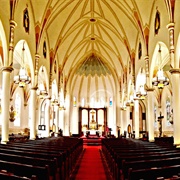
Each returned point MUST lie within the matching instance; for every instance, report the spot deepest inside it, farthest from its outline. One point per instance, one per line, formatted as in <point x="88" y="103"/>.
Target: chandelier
<point x="160" y="80"/>
<point x="141" y="93"/>
<point x="61" y="100"/>
<point x="22" y="79"/>
<point x="41" y="92"/>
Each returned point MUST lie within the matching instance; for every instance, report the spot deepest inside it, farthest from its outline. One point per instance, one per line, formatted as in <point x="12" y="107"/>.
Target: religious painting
<point x="44" y="49"/>
<point x="169" y="112"/>
<point x="155" y="116"/>
<point x="139" y="50"/>
<point x="168" y="109"/>
<point x="55" y="66"/>
<point x="26" y="20"/>
<point x="157" y="23"/>
<point x="130" y="66"/>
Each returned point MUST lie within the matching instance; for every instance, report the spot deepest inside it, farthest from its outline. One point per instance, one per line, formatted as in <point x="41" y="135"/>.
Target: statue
<point x="93" y="123"/>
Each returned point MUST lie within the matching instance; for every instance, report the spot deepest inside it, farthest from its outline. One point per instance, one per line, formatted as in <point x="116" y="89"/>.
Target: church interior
<point x="86" y="80"/>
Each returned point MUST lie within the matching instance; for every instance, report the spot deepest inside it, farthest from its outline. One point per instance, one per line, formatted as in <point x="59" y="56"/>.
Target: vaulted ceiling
<point x="107" y="29"/>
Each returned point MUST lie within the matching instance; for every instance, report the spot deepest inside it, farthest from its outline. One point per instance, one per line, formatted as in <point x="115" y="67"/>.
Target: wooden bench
<point x="52" y="163"/>
<point x="145" y="164"/>
<point x="152" y="174"/>
<point x="18" y="169"/>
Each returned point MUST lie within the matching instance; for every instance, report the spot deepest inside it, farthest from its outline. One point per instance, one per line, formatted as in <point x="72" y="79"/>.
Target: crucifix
<point x="160" y="124"/>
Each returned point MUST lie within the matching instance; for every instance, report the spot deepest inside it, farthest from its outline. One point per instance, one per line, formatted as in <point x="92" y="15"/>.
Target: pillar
<point x="176" y="104"/>
<point x="136" y="118"/>
<point x="5" y="102"/>
<point x="33" y="113"/>
<point x="56" y="108"/>
<point x="150" y="113"/>
<point x="47" y="118"/>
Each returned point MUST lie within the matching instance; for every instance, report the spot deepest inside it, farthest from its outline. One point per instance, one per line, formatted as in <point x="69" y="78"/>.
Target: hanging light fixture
<point x="130" y="102"/>
<point x="22" y="79"/>
<point x="160" y="80"/>
<point x="141" y="93"/>
<point x="61" y="100"/>
<point x="41" y="92"/>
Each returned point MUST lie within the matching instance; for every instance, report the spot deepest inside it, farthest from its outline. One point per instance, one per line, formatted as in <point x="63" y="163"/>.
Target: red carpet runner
<point x="91" y="167"/>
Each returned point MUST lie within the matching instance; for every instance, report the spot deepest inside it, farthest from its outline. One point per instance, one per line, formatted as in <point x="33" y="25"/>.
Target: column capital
<point x="37" y="56"/>
<point x="13" y="23"/>
<point x="7" y="68"/>
<point x="174" y="71"/>
<point x="170" y="26"/>
<point x="146" y="57"/>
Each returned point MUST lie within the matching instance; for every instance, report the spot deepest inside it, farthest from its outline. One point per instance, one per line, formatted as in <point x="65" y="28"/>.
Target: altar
<point x="93" y="133"/>
<point x="92" y="121"/>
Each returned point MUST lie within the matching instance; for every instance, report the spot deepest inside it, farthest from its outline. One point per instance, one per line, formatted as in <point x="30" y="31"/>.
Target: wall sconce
<point x="22" y="79"/>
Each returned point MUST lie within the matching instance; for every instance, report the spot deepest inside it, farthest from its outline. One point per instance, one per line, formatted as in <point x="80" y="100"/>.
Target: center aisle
<point x="91" y="166"/>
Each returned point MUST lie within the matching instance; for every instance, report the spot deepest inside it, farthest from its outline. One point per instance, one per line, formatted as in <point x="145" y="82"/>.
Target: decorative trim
<point x="174" y="71"/>
<point x="170" y="26"/>
<point x="13" y="23"/>
<point x="7" y="68"/>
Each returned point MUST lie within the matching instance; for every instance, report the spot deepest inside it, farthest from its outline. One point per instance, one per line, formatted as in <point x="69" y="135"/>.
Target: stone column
<point x="47" y="118"/>
<point x="175" y="73"/>
<point x="136" y="118"/>
<point x="56" y="108"/>
<point x="5" y="102"/>
<point x="32" y="109"/>
<point x="6" y="71"/>
<point x="150" y="113"/>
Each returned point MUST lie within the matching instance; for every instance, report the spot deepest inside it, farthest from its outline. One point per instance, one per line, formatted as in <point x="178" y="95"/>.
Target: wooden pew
<point x="116" y="151"/>
<point x="145" y="164"/>
<point x="9" y="176"/>
<point x="18" y="169"/>
<point x="152" y="174"/>
<point x="35" y="155"/>
<point x="52" y="163"/>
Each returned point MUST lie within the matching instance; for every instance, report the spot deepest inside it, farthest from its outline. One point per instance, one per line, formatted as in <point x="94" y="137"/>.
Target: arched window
<point x="83" y="102"/>
<point x="74" y="101"/>
<point x="18" y="110"/>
